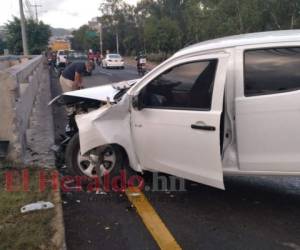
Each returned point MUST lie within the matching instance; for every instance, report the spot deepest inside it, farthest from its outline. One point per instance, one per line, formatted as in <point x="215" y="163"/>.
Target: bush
<point x="157" y="57"/>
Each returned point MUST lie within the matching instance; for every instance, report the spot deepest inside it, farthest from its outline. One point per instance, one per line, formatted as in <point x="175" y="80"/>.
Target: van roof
<point x="245" y="39"/>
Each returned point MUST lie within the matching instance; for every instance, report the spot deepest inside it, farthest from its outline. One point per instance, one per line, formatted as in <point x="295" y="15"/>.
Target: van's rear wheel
<point x="113" y="160"/>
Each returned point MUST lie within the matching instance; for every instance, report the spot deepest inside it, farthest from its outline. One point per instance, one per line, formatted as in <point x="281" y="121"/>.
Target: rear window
<point x="271" y="71"/>
<point x="114" y="56"/>
<point x="77" y="55"/>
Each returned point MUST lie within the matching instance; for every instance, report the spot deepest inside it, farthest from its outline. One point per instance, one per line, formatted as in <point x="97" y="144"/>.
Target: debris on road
<point x="134" y="194"/>
<point x="101" y="192"/>
<point x="40" y="205"/>
<point x="129" y="208"/>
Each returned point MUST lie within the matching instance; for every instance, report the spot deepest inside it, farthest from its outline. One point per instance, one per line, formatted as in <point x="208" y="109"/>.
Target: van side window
<point x="185" y="86"/>
<point x="271" y="71"/>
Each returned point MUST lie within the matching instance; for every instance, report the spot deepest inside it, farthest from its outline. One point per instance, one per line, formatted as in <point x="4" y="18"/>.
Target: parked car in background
<point x="78" y="56"/>
<point x="61" y="58"/>
<point x="228" y="106"/>
<point x="113" y="61"/>
<point x="51" y="58"/>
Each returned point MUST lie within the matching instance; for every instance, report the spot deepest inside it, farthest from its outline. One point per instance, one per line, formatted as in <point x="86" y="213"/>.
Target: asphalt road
<point x="253" y="212"/>
<point x="102" y="76"/>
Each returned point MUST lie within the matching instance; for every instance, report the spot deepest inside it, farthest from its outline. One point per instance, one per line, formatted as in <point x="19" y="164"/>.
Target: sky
<point x="57" y="13"/>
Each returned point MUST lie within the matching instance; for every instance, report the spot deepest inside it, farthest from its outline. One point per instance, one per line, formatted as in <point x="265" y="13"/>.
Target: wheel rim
<point x="88" y="168"/>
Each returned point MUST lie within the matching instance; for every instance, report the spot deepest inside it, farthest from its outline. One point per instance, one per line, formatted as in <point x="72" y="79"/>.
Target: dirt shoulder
<point x="42" y="229"/>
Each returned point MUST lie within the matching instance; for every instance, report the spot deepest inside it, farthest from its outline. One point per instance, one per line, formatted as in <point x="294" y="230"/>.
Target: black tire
<point x="71" y="158"/>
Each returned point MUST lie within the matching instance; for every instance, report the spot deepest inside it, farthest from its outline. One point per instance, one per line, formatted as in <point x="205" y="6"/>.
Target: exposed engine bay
<point x="78" y="103"/>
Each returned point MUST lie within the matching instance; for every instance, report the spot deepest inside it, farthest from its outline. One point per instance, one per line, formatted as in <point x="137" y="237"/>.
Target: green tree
<point x="166" y="25"/>
<point x="85" y="38"/>
<point x="281" y="14"/>
<point x="119" y="18"/>
<point x="162" y="35"/>
<point x="3" y="46"/>
<point x="37" y="35"/>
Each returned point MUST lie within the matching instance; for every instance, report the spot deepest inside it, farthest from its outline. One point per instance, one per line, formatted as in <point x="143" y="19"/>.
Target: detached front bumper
<point x="90" y="133"/>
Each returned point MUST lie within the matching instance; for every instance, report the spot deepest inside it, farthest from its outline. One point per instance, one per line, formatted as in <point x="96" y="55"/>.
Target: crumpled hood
<point x="100" y="93"/>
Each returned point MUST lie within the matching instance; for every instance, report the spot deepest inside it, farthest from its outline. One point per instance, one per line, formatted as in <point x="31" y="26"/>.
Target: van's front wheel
<point x="112" y="160"/>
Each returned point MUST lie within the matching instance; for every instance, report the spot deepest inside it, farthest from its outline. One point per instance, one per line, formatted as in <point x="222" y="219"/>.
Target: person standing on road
<point x="141" y="63"/>
<point x="71" y="77"/>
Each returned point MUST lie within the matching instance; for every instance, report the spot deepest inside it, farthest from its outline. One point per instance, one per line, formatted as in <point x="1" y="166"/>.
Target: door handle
<point x="203" y="127"/>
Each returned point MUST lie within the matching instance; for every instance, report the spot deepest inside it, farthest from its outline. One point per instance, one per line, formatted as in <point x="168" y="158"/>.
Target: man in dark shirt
<point x="71" y="77"/>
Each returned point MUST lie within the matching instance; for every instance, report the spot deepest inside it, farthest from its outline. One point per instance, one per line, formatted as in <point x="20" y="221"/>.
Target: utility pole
<point x="27" y="4"/>
<point x="117" y="41"/>
<point x="23" y="29"/>
<point x="101" y="41"/>
<point x="36" y="6"/>
<point x="115" y="23"/>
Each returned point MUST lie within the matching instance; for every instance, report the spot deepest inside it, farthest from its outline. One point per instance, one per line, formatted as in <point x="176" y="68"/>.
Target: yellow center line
<point x="152" y="221"/>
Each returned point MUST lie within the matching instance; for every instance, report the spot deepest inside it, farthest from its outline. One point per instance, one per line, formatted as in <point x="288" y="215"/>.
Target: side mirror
<point x="137" y="102"/>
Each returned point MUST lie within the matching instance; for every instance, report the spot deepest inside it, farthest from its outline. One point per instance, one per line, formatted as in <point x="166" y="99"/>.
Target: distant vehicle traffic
<point x="141" y="64"/>
<point x="77" y="56"/>
<point x="113" y="61"/>
<point x="61" y="58"/>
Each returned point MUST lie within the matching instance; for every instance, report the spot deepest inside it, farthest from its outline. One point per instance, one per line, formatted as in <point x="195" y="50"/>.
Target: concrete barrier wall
<point x="18" y="89"/>
<point x="8" y="61"/>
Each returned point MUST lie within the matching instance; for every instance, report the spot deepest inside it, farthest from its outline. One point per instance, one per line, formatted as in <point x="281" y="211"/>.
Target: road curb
<point x="59" y="237"/>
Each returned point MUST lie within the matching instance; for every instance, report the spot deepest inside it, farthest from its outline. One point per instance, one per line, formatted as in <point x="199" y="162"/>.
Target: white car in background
<point x="61" y="58"/>
<point x="113" y="61"/>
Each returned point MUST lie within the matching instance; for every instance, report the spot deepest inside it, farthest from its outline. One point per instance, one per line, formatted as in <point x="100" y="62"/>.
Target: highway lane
<point x="103" y="76"/>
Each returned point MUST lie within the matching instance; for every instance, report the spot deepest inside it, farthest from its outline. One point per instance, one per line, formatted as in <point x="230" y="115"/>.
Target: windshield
<point x="61" y="53"/>
<point x="114" y="56"/>
<point x="77" y="55"/>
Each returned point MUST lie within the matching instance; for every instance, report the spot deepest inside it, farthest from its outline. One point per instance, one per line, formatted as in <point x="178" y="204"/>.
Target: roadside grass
<point x="24" y="231"/>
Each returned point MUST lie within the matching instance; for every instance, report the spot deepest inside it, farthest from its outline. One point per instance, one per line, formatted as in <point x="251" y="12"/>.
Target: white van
<point x="228" y="106"/>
